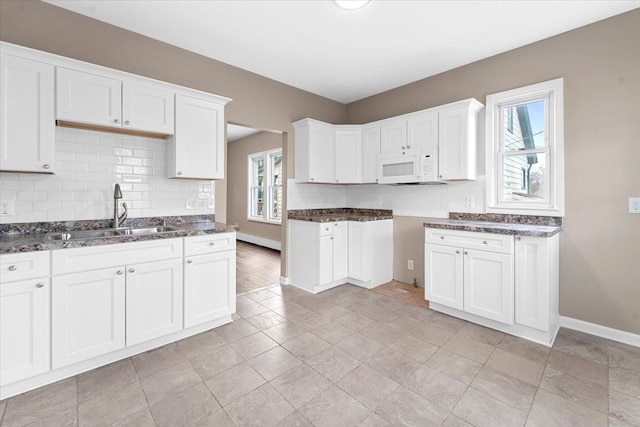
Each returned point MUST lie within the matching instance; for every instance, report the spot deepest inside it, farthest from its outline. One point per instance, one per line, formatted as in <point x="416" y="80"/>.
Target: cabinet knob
<point x="13" y="268"/>
<point x="408" y="146"/>
<point x="403" y="147"/>
<point x="440" y="176"/>
<point x="127" y="122"/>
<point x="518" y="238"/>
<point x="484" y="242"/>
<point x="212" y="243"/>
<point x="40" y="285"/>
<point x="132" y="270"/>
<point x="311" y="179"/>
<point x="376" y="179"/>
<point x="46" y="166"/>
<point x="337" y="180"/>
<point x="457" y="252"/>
<point x="441" y="237"/>
<point x="119" y="272"/>
<point x="189" y="261"/>
<point x="466" y="253"/>
<point x="116" y="120"/>
<point x="335" y="225"/>
<point x="330" y="238"/>
<point x="179" y="173"/>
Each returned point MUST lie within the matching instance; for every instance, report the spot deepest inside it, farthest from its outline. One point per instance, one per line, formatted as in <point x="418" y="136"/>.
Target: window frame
<point x="552" y="92"/>
<point x="267" y="197"/>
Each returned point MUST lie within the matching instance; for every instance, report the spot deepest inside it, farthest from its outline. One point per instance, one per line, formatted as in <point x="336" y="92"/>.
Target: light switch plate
<point x="634" y="204"/>
<point x="6" y="208"/>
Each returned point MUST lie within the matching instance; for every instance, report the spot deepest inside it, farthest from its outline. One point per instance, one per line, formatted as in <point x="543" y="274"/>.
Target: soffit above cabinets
<point x="347" y="55"/>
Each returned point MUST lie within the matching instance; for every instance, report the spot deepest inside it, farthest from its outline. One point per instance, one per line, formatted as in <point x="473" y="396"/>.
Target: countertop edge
<point x="499" y="228"/>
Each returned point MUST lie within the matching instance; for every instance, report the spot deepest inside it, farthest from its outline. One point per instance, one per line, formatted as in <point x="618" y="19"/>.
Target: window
<point x="525" y="150"/>
<point x="265" y="186"/>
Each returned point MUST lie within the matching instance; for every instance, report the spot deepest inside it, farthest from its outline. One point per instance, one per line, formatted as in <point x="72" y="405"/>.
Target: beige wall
<point x="237" y="181"/>
<point x="600" y="245"/>
<point x="258" y="102"/>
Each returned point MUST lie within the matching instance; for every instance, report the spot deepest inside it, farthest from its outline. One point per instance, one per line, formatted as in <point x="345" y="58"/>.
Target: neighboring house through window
<point x="265" y="186"/>
<point x="525" y="150"/>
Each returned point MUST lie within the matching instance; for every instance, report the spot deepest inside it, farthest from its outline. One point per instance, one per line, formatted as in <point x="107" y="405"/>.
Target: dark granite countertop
<point x="521" y="225"/>
<point x="339" y="214"/>
<point x="28" y="237"/>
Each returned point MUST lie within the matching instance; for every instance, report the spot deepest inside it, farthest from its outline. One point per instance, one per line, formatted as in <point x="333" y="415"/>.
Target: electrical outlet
<point x="191" y="204"/>
<point x="6" y="208"/>
<point x="469" y="202"/>
<point x="410" y="264"/>
<point x="379" y="200"/>
<point x="634" y="204"/>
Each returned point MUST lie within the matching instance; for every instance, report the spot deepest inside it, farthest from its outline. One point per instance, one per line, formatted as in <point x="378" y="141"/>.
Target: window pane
<point x="257" y="202"/>
<point x="275" y="212"/>
<point x="258" y="172"/>
<point x="523" y="177"/>
<point x="524" y="126"/>
<point x="276" y="169"/>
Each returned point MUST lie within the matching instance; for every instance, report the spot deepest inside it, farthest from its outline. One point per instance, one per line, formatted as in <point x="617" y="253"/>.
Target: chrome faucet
<point x="118" y="220"/>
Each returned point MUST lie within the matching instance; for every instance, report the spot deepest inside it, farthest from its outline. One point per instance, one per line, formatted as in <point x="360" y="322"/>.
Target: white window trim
<point x="555" y="205"/>
<point x="267" y="194"/>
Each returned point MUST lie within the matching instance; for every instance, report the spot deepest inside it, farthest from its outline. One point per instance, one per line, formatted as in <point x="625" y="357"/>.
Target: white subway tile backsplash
<point x="88" y="164"/>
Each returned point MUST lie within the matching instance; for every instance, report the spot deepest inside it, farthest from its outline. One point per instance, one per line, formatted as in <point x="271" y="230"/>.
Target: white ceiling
<point x="348" y="55"/>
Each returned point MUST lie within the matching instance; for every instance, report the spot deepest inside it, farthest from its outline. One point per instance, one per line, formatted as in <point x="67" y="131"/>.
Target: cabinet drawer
<point x="326" y="228"/>
<point x="210" y="243"/>
<point x="23" y="266"/>
<point x="500" y="243"/>
<point x="95" y="257"/>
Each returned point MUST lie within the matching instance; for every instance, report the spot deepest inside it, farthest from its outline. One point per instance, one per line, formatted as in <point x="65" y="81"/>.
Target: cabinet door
<point x="27" y="126"/>
<point x="209" y="287"/>
<point x="422" y="131"/>
<point x="147" y="109"/>
<point x="87" y="315"/>
<point x="24" y="329"/>
<point x="348" y="156"/>
<point x="393" y="136"/>
<point x="457" y="145"/>
<point x="88" y="98"/>
<point x="340" y="248"/>
<point x="532" y="282"/>
<point x="444" y="272"/>
<point x="198" y="145"/>
<point x="325" y="263"/>
<point x="154" y="300"/>
<point x="488" y="285"/>
<point x="321" y="153"/>
<point x="370" y="152"/>
<point x="357" y="257"/>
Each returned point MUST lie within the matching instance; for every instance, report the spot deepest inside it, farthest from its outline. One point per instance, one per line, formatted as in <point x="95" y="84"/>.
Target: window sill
<point x="264" y="221"/>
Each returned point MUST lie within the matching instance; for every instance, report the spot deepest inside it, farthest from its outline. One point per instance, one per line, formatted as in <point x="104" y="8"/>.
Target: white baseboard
<point x="284" y="280"/>
<point x="260" y="241"/>
<point x="600" y="331"/>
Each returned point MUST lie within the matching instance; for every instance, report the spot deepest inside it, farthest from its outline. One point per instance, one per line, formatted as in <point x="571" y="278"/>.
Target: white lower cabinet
<point x="505" y="282"/>
<point x="88" y="315"/>
<point x="24" y="329"/>
<point x="325" y="255"/>
<point x="209" y="278"/>
<point x="154" y="300"/>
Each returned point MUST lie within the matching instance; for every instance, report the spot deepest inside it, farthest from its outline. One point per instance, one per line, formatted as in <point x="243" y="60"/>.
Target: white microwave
<point x="408" y="167"/>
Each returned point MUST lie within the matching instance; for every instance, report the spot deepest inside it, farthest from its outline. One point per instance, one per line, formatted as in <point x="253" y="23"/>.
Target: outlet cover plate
<point x="6" y="208"/>
<point x="634" y="205"/>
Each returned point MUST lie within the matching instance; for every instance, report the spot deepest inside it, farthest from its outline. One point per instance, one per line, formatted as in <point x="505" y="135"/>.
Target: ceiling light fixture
<point x="351" y="4"/>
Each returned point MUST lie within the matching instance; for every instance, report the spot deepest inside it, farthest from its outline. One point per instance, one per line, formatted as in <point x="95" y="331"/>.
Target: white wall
<point x="420" y="200"/>
<point x="88" y="164"/>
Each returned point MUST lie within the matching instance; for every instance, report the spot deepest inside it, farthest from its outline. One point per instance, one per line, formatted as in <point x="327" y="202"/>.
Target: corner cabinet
<point x="27" y="126"/>
<point x="197" y="149"/>
<point x="505" y="282"/>
<point x="328" y="254"/>
<point x="457" y="139"/>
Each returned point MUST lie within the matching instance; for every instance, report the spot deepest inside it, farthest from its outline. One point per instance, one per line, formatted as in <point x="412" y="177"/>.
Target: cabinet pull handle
<point x="485" y="242"/>
<point x="12" y="268"/>
<point x="518" y="238"/>
<point x="46" y="166"/>
<point x="40" y="285"/>
<point x="189" y="261"/>
<point x="132" y="270"/>
<point x="212" y="243"/>
<point x="119" y="272"/>
<point x="127" y="122"/>
<point x="116" y="120"/>
<point x="179" y="173"/>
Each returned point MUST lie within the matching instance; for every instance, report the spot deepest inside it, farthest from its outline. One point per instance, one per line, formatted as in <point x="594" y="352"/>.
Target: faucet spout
<point x="118" y="220"/>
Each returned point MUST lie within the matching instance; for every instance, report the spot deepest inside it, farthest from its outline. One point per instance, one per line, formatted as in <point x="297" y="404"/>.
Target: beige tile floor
<point x="348" y="357"/>
<point x="256" y="267"/>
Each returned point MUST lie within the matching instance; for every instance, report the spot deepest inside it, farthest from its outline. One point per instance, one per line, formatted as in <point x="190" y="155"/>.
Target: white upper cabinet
<point x="88" y="98"/>
<point x="370" y="153"/>
<point x="348" y="155"/>
<point x="147" y="109"/>
<point x="197" y="149"/>
<point x="457" y="135"/>
<point x="27" y="126"/>
<point x="394" y="135"/>
<point x="102" y="101"/>
<point x="315" y="151"/>
<point x="422" y="132"/>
